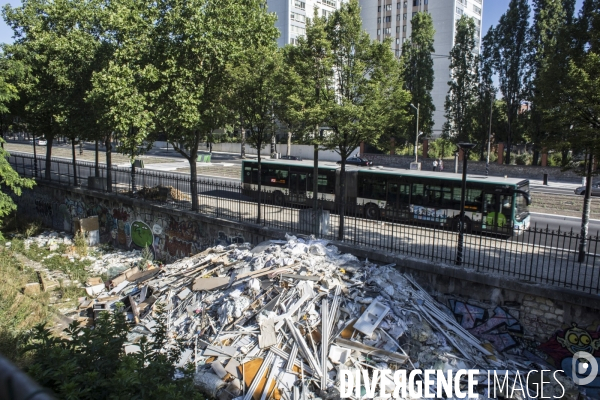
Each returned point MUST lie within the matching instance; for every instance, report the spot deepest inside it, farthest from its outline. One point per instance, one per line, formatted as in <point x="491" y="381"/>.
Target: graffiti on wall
<point x="561" y="347"/>
<point x="169" y="237"/>
<point x="498" y="326"/>
<point x="225" y="240"/>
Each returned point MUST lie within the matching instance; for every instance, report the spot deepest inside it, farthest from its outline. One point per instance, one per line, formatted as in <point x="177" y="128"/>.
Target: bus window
<point x="378" y="190"/>
<point x="250" y="174"/>
<point x="325" y="182"/>
<point x="274" y="176"/>
<point x="473" y="199"/>
<point x="418" y="196"/>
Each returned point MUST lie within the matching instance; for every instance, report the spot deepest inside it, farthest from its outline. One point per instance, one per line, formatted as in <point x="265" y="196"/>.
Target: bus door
<point x="497" y="211"/>
<point x="398" y="197"/>
<point x="298" y="187"/>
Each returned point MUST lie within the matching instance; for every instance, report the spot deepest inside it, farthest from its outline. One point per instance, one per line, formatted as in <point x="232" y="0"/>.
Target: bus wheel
<point x="371" y="211"/>
<point x="278" y="198"/>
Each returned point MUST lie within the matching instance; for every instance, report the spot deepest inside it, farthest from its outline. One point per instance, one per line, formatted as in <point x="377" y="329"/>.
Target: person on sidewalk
<point x="435" y="164"/>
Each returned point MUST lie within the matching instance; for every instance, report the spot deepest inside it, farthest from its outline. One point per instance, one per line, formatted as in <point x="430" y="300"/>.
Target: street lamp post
<point x="465" y="147"/>
<point x="417" y="130"/>
<point x="487" y="163"/>
<point x="35" y="166"/>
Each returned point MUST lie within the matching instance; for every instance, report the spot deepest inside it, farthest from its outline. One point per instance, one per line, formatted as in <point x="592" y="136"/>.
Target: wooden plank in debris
<point x="302" y="277"/>
<point x="135" y="310"/>
<point x="216" y="283"/>
<point x="363" y="348"/>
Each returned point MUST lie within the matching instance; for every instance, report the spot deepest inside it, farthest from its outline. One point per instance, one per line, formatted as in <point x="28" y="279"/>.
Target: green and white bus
<point x="492" y="204"/>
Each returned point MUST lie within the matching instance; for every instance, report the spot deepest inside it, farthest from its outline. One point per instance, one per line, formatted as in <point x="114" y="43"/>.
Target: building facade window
<point x="477" y="9"/>
<point x="413" y="14"/>
<point x="416" y="3"/>
<point x="378" y="20"/>
<point x="378" y="31"/>
<point x="388" y="18"/>
<point x="459" y="11"/>
<point x="388" y="31"/>
<point x="397" y="29"/>
<point x="388" y="7"/>
<point x="404" y="28"/>
<point x="398" y="6"/>
<point x="298" y="17"/>
<point x="300" y="4"/>
<point x="378" y="8"/>
<point x="404" y="16"/>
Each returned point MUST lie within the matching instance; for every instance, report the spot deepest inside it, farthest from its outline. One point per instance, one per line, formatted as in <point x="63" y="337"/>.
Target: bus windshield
<point x="521" y="207"/>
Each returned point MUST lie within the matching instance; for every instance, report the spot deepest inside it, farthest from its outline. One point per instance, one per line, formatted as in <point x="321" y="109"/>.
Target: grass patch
<point x="18" y="312"/>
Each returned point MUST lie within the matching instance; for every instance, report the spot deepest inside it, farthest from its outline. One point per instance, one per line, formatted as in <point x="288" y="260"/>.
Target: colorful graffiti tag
<point x="497" y="328"/>
<point x="561" y="347"/>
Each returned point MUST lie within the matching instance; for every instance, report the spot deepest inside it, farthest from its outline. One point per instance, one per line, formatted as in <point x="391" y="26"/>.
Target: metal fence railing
<point x="538" y="255"/>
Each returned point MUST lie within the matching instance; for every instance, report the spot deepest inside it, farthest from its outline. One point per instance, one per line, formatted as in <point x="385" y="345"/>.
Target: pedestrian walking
<point x="441" y="165"/>
<point x="435" y="164"/>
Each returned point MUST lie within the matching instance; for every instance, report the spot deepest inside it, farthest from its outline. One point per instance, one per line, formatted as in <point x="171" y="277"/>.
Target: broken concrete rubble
<point x="283" y="319"/>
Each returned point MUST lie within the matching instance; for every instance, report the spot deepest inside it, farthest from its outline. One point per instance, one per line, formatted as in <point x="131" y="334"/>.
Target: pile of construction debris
<point x="283" y="319"/>
<point x="162" y="193"/>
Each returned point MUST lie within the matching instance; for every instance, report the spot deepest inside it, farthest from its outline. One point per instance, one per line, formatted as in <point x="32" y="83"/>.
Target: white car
<point x="595" y="190"/>
<point x="42" y="142"/>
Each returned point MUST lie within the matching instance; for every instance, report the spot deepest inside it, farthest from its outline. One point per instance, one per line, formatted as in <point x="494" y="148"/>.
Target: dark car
<point x="595" y="190"/>
<point x="294" y="158"/>
<point x="357" y="161"/>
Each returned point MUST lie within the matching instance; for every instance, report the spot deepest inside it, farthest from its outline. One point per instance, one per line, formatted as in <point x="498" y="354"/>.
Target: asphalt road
<point x="564" y="223"/>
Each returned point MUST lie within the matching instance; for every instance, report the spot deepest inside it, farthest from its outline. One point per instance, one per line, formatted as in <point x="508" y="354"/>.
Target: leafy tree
<point x="486" y="92"/>
<point x="462" y="95"/>
<point x="9" y="179"/>
<point x="549" y="18"/>
<point x="255" y="82"/>
<point x="54" y="41"/>
<point x="92" y="364"/>
<point x="418" y="69"/>
<point x="368" y="81"/>
<point x="10" y="72"/>
<point x="511" y="62"/>
<point x="309" y="89"/>
<point x="191" y="45"/>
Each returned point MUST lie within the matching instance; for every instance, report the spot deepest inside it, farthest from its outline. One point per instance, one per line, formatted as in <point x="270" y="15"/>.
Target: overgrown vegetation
<point x="91" y="363"/>
<point x="18" y="311"/>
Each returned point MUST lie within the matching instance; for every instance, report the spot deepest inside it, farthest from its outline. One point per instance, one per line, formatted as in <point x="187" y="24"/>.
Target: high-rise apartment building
<point x="391" y="18"/>
<point x="292" y="14"/>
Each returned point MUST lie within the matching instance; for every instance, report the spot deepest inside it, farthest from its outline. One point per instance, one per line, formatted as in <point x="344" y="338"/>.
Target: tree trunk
<point x="536" y="157"/>
<point x="133" y="177"/>
<point x="342" y="197"/>
<point x="273" y="148"/>
<point x="194" y="177"/>
<point x="289" y="144"/>
<point x="48" y="166"/>
<point x="585" y="217"/>
<point x="258" y="147"/>
<point x="243" y="139"/>
<point x="97" y="161"/>
<point x="74" y="162"/>
<point x="108" y="163"/>
<point x="508" y="143"/>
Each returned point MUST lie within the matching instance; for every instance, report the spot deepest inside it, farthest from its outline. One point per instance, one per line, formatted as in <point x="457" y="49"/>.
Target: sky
<point x="492" y="10"/>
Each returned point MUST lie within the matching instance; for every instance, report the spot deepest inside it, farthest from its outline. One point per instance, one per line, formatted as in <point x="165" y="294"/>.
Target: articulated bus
<point x="492" y="204"/>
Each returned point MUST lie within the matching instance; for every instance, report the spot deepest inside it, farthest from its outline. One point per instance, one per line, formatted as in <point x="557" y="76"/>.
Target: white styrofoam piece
<point x="184" y="293"/>
<point x="339" y="355"/>
<point x="117" y="289"/>
<point x="371" y="318"/>
<point x="94" y="290"/>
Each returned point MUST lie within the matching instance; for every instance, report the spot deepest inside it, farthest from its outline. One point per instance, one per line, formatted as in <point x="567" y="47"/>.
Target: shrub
<point x="92" y="364"/>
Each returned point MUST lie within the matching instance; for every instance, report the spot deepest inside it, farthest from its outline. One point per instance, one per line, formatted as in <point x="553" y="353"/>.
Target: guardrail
<point x="539" y="255"/>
